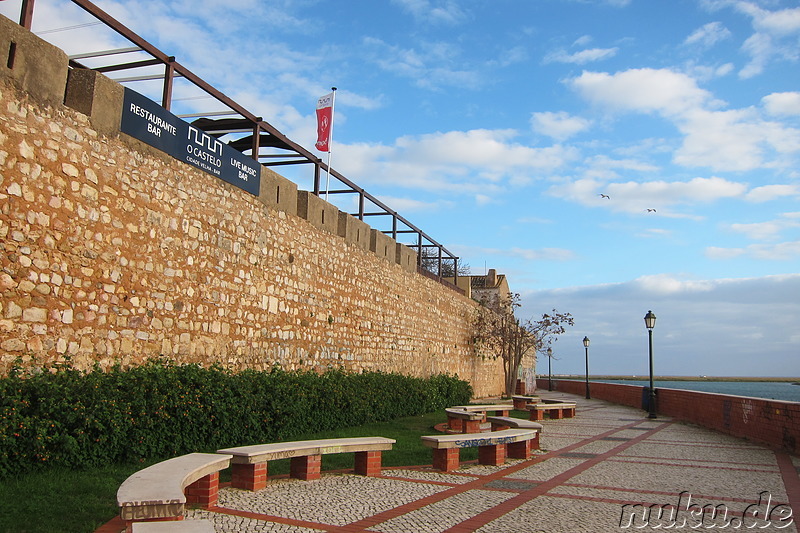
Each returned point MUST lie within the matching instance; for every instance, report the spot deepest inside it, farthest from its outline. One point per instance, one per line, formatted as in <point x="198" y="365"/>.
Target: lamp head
<point x="650" y="320"/>
<point x="586" y="341"/>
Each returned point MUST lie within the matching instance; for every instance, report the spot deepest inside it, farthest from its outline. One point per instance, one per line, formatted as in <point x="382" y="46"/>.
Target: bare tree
<point x="500" y="334"/>
<point x="429" y="259"/>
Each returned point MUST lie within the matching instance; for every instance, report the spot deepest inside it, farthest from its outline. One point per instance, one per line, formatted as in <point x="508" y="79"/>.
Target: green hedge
<point x="66" y="417"/>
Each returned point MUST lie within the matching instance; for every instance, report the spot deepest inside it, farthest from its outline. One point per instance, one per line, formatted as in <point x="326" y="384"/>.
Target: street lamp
<point x="586" y="346"/>
<point x="650" y="323"/>
<point x="550" y="369"/>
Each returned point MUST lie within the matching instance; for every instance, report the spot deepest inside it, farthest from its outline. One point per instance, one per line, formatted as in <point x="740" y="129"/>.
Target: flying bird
<point x="650" y="210"/>
<point x="604" y="196"/>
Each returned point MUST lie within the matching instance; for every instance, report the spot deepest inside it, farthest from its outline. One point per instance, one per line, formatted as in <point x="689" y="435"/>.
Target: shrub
<point x="62" y="416"/>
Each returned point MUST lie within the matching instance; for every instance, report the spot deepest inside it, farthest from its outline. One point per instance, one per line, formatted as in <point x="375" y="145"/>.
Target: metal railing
<point x="254" y="135"/>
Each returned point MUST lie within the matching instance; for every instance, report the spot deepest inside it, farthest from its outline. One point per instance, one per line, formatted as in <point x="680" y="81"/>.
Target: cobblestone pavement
<point x="610" y="468"/>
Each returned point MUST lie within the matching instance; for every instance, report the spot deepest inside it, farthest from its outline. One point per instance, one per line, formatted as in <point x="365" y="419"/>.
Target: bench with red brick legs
<point x="162" y="491"/>
<point x="521" y="402"/>
<point x="461" y="421"/>
<point x="499" y="423"/>
<point x="492" y="447"/>
<point x="554" y="408"/>
<point x="249" y="463"/>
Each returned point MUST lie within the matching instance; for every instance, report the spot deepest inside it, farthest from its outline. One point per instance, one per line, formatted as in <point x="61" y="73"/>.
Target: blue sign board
<point x="150" y="123"/>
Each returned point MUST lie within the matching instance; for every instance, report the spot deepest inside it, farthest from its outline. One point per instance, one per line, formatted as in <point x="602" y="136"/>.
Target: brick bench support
<point x="492" y="447"/>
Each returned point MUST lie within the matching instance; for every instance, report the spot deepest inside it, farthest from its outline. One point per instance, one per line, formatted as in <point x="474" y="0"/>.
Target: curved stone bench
<point x="491" y="446"/>
<point x="161" y="491"/>
<point x="249" y="463"/>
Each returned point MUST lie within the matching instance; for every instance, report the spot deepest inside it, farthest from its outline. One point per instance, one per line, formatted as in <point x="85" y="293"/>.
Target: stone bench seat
<point x="249" y="463"/>
<point x="492" y="447"/>
<point x="161" y="491"/>
<point x="497" y="408"/>
<point x="555" y="409"/>
<point x="514" y="423"/>
<point x="521" y="402"/>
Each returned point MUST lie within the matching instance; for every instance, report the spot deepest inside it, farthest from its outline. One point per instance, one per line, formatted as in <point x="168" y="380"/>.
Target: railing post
<point x="316" y="178"/>
<point x="361" y="204"/>
<point x="169" y="75"/>
<point x="26" y="14"/>
<point x="256" y="146"/>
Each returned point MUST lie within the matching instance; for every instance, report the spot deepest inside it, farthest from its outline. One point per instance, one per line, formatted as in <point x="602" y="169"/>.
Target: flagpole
<point x="330" y="142"/>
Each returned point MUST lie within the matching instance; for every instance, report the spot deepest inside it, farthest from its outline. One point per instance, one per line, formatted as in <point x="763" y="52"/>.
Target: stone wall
<point x="115" y="252"/>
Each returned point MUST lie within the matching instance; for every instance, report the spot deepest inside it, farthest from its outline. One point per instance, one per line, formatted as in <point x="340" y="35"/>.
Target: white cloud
<point x="667" y="284"/>
<point x="783" y="251"/>
<point x="582" y="57"/>
<point x="434" y="11"/>
<point x="766" y="193"/>
<point x="559" y="126"/>
<point x="723" y="140"/>
<point x="708" y="35"/>
<point x="469" y="160"/>
<point x="774" y="37"/>
<point x="770" y="230"/>
<point x="642" y="90"/>
<point x="787" y="104"/>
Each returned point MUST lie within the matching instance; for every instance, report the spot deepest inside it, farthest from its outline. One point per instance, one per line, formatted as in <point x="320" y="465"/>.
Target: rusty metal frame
<point x="262" y="133"/>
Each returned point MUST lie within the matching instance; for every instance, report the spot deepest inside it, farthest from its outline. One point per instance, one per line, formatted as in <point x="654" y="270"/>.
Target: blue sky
<point x="495" y="126"/>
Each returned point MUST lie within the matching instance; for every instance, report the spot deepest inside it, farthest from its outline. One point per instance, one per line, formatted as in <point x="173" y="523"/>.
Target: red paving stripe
<point x="791" y="481"/>
<point x="481" y="519"/>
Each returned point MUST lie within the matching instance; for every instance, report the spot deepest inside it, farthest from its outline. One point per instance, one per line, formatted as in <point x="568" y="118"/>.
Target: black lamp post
<point x="586" y="346"/>
<point x="550" y="369"/>
<point x="650" y="323"/>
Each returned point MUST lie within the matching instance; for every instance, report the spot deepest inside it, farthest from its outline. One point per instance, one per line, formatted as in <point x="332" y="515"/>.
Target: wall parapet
<point x="773" y="423"/>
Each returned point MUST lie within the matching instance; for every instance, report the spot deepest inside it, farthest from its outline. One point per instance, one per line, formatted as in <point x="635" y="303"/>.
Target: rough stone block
<point x="276" y="192"/>
<point x="33" y="65"/>
<point x="318" y="212"/>
<point x="96" y="96"/>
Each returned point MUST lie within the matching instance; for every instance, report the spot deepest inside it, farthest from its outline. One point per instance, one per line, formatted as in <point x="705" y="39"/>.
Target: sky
<point x="609" y="157"/>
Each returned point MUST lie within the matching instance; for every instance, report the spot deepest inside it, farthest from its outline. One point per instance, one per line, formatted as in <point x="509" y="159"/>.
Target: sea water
<point x="774" y="390"/>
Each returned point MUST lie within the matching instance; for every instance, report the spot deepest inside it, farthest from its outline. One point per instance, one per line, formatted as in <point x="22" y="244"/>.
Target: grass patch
<point x="80" y="501"/>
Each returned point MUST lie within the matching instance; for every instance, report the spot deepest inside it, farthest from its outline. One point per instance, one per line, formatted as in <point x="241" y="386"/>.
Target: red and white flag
<point x="324" y="122"/>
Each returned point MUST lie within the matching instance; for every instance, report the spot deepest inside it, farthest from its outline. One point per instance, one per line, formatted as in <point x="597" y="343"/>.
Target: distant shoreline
<point x="681" y="378"/>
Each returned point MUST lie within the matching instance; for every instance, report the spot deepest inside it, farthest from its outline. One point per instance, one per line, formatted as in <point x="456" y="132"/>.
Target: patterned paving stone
<point x="593" y="469"/>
